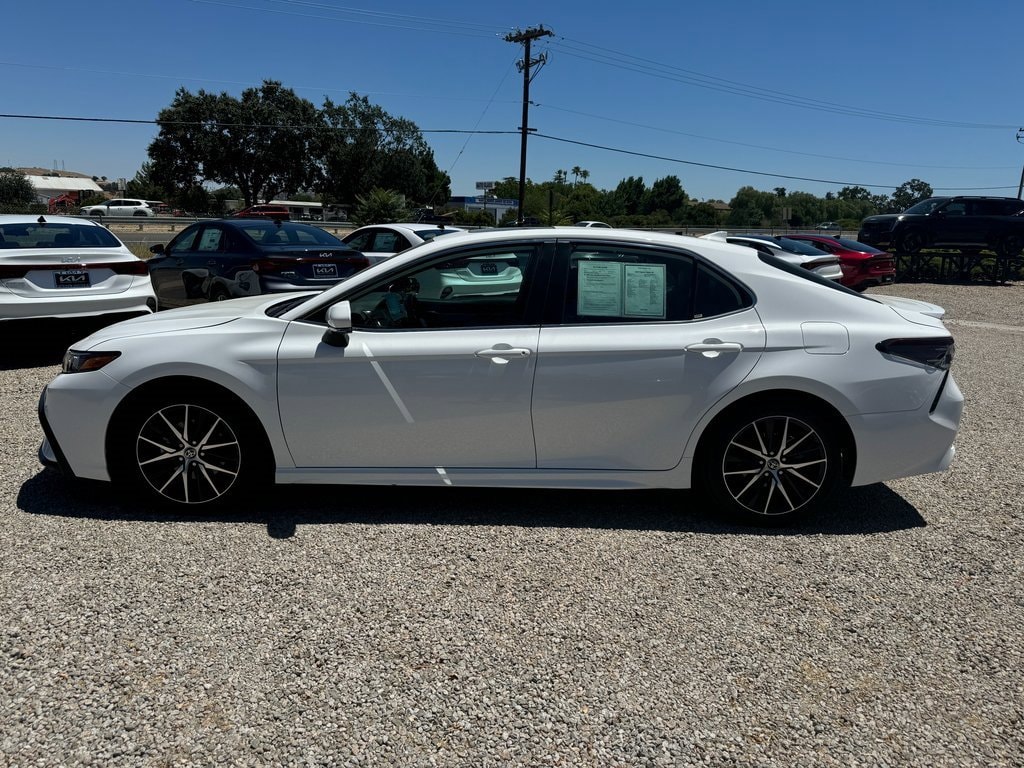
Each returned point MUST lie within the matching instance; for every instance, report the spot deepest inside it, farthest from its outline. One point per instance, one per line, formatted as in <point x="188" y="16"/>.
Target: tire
<point x="188" y="450"/>
<point x="910" y="241"/>
<point x="219" y="293"/>
<point x="140" y="213"/>
<point x="749" y="474"/>
<point x="1010" y="246"/>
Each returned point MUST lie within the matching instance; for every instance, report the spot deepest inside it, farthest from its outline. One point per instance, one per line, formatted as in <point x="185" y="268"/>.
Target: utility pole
<point x="1020" y="187"/>
<point x="526" y="37"/>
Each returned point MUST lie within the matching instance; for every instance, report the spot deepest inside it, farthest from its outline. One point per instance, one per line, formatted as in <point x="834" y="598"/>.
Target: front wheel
<point x="772" y="465"/>
<point x="910" y="241"/>
<point x="189" y="450"/>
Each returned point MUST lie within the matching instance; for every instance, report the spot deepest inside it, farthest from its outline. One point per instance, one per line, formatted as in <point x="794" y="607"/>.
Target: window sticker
<point x="644" y="290"/>
<point x="600" y="289"/>
<point x="210" y="240"/>
<point x="613" y="289"/>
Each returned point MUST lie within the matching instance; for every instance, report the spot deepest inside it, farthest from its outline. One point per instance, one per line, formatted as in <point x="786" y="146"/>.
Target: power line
<point x="561" y="139"/>
<point x="629" y="62"/>
<point x="739" y="170"/>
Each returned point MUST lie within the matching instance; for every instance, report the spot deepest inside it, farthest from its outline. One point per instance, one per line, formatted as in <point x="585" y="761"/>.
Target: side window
<point x="956" y="208"/>
<point x="477" y="289"/>
<point x="607" y="285"/>
<point x="210" y="240"/>
<point x="184" y="241"/>
<point x="361" y="241"/>
<point x="389" y="242"/>
<point x="715" y="295"/>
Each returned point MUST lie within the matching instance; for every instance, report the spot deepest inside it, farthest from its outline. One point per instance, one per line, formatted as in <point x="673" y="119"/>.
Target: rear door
<point x="638" y="344"/>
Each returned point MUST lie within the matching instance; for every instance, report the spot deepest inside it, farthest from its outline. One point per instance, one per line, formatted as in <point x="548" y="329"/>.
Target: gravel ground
<point x="454" y="627"/>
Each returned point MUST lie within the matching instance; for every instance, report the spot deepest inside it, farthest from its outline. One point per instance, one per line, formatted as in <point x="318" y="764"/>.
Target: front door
<point x="437" y="373"/>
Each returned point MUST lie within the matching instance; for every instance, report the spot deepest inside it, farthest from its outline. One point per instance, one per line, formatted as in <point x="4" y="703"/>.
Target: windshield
<point x="798" y="246"/>
<point x="51" y="235"/>
<point x="927" y="206"/>
<point x="288" y="233"/>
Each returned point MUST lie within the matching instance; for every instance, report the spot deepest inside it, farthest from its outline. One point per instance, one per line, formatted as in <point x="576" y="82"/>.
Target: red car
<point x="279" y="212"/>
<point x="862" y="265"/>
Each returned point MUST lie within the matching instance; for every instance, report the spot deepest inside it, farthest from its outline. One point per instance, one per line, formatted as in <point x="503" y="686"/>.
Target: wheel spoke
<point x="759" y="454"/>
<point x="174" y="430"/>
<point x="771" y="490"/>
<point x="160" y="458"/>
<point x="804" y="464"/>
<point x="794" y="445"/>
<point x="206" y="476"/>
<point x="161" y="446"/>
<point x="177" y="472"/>
<point x="794" y="473"/>
<point x="782" y="490"/>
<point x="208" y="465"/>
<point x="202" y="443"/>
<point x="747" y="487"/>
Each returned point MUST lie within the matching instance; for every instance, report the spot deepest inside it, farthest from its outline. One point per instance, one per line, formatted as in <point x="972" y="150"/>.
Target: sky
<point x="809" y="96"/>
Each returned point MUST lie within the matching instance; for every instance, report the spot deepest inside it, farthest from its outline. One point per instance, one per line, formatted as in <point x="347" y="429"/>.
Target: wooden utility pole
<point x="526" y="37"/>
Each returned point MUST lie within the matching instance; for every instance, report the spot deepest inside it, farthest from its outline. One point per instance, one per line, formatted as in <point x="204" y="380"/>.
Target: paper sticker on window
<point x="613" y="289"/>
<point x="644" y="290"/>
<point x="210" y="240"/>
<point x="600" y="289"/>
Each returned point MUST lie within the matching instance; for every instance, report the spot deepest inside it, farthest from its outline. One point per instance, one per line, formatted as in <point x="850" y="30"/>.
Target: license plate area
<point x="325" y="270"/>
<point x="71" y="278"/>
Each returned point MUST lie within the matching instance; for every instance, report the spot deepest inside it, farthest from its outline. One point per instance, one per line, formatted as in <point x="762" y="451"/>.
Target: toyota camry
<point x="544" y="358"/>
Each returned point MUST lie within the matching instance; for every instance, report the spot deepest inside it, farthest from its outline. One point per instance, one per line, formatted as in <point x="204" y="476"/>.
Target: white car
<point x="599" y="224"/>
<point x="58" y="267"/>
<point x="382" y="241"/>
<point x="119" y="207"/>
<point x="618" y="360"/>
<point x="794" y="251"/>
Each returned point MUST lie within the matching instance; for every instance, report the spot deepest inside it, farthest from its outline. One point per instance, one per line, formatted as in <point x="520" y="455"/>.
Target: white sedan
<point x="59" y="267"/>
<point x="610" y="360"/>
<point x="382" y="241"/>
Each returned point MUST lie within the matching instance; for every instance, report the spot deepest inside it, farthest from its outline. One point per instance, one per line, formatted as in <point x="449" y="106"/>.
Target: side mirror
<point x="158" y="248"/>
<point x="339" y="324"/>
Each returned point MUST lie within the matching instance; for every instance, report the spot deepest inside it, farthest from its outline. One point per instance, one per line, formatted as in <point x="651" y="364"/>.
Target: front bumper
<point x="50" y="454"/>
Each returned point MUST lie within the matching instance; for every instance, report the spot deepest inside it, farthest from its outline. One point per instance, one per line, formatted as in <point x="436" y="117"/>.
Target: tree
<point x="908" y="193"/>
<point x="16" y="191"/>
<point x="361" y="147"/>
<point x="752" y="208"/>
<point x="576" y="171"/>
<point x="779" y="191"/>
<point x="629" y="195"/>
<point x="379" y="206"/>
<point x="666" y="195"/>
<point x="144" y="187"/>
<point x="260" y="142"/>
<point x="584" y="175"/>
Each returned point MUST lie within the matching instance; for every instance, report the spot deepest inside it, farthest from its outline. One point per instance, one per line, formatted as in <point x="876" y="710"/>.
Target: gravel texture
<point x="455" y="627"/>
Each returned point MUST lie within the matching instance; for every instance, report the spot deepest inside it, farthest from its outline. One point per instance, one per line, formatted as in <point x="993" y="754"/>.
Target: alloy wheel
<point x="188" y="454"/>
<point x="775" y="465"/>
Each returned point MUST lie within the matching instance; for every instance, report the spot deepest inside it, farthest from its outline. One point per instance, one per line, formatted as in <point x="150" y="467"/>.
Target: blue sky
<point x="875" y="94"/>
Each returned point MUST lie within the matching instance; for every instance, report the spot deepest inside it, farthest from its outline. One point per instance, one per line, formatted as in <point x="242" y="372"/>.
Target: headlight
<point x="77" y="362"/>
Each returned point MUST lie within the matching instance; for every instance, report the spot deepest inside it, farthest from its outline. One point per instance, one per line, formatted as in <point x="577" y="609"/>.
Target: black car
<point x="228" y="258"/>
<point x="964" y="222"/>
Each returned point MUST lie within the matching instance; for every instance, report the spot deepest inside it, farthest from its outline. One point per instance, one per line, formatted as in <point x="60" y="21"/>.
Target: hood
<point x="187" y="318"/>
<point x="882" y="217"/>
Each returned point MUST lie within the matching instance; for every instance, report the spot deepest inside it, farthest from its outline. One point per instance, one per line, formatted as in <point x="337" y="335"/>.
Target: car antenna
<point x="41" y="221"/>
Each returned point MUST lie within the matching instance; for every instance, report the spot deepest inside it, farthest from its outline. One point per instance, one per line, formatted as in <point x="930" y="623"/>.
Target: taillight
<point x="936" y="353"/>
<point x="123" y="267"/>
<point x="12" y="271"/>
<point x="266" y="265"/>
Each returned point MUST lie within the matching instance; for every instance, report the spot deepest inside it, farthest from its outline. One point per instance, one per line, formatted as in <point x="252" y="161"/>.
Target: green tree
<point x="629" y="195"/>
<point x="908" y="193"/>
<point x="16" y="191"/>
<point x="260" y="142"/>
<point x="145" y="187"/>
<point x="361" y="147"/>
<point x="666" y="194"/>
<point x="379" y="206"/>
<point x="752" y="208"/>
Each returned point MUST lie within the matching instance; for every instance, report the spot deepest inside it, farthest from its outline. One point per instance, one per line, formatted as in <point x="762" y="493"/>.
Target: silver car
<point x="794" y="251"/>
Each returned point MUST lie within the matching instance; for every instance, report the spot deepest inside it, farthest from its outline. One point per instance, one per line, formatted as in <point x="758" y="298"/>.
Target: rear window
<point x="32" y="235"/>
<point x="853" y="245"/>
<point x="798" y="246"/>
<point x="430" y="234"/>
<point x="269" y="233"/>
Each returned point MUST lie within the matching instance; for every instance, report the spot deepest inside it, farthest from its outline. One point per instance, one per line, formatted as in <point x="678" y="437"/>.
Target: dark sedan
<point x="863" y="266"/>
<point x="228" y="258"/>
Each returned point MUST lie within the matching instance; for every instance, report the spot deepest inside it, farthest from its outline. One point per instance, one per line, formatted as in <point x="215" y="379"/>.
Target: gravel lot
<point x="454" y="627"/>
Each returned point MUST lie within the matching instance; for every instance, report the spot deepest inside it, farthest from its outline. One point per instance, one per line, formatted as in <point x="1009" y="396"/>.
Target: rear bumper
<point x="138" y="300"/>
<point x="905" y="443"/>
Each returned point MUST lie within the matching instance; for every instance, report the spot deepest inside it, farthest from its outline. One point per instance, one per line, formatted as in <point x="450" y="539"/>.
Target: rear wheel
<point x="219" y="293"/>
<point x="1010" y="246"/>
<point x="771" y="465"/>
<point x="189" y="450"/>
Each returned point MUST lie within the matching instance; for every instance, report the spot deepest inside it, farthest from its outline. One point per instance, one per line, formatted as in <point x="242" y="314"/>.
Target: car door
<point x="424" y="382"/>
<point x="165" y="269"/>
<point x="640" y="344"/>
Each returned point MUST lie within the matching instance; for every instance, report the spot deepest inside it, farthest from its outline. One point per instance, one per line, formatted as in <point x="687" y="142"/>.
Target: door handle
<point x="714" y="347"/>
<point x="211" y="263"/>
<point x="502" y="356"/>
